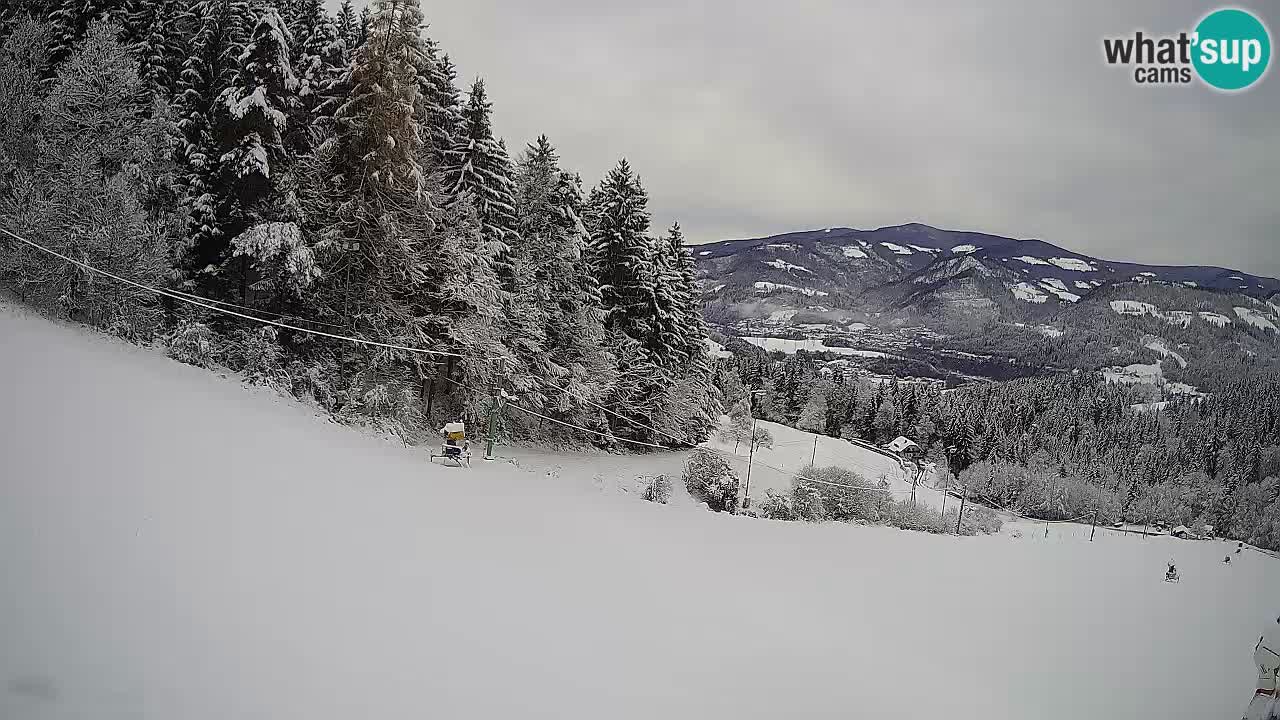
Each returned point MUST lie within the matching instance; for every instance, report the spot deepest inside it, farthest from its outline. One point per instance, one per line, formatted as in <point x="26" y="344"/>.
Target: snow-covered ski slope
<point x="176" y="546"/>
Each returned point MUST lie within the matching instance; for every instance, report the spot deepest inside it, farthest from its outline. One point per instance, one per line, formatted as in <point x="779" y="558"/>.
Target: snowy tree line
<point x="327" y="171"/>
<point x="1056" y="447"/>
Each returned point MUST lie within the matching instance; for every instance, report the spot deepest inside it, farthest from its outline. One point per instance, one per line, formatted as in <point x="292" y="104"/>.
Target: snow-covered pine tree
<point x="621" y="253"/>
<point x="319" y="49"/>
<point x="220" y="32"/>
<point x="70" y="19"/>
<point x="378" y="124"/>
<point x="703" y="402"/>
<point x="670" y="341"/>
<point x="552" y="276"/>
<point x="251" y="120"/>
<point x="369" y="203"/>
<point x="253" y="112"/>
<point x="154" y="34"/>
<point x="444" y="109"/>
<point x="482" y="172"/>
<point x="363" y="28"/>
<point x="320" y="56"/>
<point x="348" y="25"/>
<point x="623" y="258"/>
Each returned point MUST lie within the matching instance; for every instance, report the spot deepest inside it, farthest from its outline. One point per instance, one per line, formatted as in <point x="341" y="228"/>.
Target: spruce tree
<point x="621" y="253"/>
<point x="320" y="56"/>
<point x="364" y="27"/>
<point x="481" y="171"/>
<point x="550" y="269"/>
<point x="443" y="120"/>
<point x="348" y="26"/>
<point x="253" y="113"/>
<point x="155" y="36"/>
<point x="221" y="29"/>
<point x="671" y="324"/>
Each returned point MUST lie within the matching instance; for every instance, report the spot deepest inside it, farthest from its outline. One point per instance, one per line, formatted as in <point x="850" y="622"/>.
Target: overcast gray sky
<point x="748" y="118"/>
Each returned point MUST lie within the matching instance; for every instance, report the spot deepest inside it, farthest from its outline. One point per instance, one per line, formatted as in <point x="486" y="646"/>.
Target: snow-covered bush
<point x="279" y="253"/>
<point x="257" y="354"/>
<point x="711" y="480"/>
<point x="836" y="493"/>
<point x="905" y="516"/>
<point x="981" y="520"/>
<point x="658" y="489"/>
<point x="312" y="381"/>
<point x="776" y="507"/>
<point x="386" y="403"/>
<point x="194" y="343"/>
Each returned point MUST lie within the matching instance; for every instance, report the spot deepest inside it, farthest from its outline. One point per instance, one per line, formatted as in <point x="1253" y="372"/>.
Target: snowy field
<point x="791" y="347"/>
<point x="774" y="468"/>
<point x="174" y="546"/>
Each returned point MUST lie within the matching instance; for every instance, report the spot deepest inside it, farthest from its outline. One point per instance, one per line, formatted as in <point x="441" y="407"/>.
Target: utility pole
<point x="1093" y="529"/>
<point x="751" y="449"/>
<point x="963" y="498"/>
<point x="494" y="410"/>
<point x="814" y="457"/>
<point x="914" y="478"/>
<point x="1052" y="489"/>
<point x="352" y="246"/>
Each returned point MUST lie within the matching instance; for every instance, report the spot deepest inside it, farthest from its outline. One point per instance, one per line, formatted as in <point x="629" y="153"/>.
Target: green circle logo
<point x="1232" y="49"/>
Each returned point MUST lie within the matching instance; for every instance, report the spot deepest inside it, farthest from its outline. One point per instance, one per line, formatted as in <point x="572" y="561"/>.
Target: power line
<point x="224" y="303"/>
<point x="607" y="436"/>
<point x="207" y="306"/>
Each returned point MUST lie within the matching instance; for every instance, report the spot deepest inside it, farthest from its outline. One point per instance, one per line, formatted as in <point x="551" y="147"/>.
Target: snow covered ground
<point x="773" y="468"/>
<point x="174" y="545"/>
<point x="791" y="347"/>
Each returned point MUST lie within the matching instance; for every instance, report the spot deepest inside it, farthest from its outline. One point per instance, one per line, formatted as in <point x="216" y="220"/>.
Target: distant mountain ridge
<point x="902" y="250"/>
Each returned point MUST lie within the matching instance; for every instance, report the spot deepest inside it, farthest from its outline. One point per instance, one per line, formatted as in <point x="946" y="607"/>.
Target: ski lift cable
<point x="607" y="436"/>
<point x="198" y="303"/>
<point x="588" y="430"/>
<point x="684" y="444"/>
<point x="637" y="423"/>
<point x="224" y="303"/>
<point x="664" y="447"/>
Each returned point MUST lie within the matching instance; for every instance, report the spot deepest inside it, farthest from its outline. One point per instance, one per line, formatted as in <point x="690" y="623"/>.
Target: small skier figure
<point x="1266" y="656"/>
<point x="1227" y="559"/>
<point x="1239" y="547"/>
<point x="1171" y="575"/>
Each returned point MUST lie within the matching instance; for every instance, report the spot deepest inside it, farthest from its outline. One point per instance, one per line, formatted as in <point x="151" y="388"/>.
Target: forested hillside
<point x="326" y="173"/>
<point x="1060" y="446"/>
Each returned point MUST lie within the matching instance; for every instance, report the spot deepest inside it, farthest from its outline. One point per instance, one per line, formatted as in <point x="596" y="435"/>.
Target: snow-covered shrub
<point x="194" y="343"/>
<point x="385" y="403"/>
<point x="836" y="493"/>
<point x="905" y="516"/>
<point x="658" y="489"/>
<point x="711" y="480"/>
<point x="776" y="507"/>
<point x="280" y="254"/>
<point x="312" y="381"/>
<point x="257" y="354"/>
<point x="979" y="520"/>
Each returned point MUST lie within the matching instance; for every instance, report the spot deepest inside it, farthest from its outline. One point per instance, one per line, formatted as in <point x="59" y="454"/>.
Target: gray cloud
<point x="749" y="118"/>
